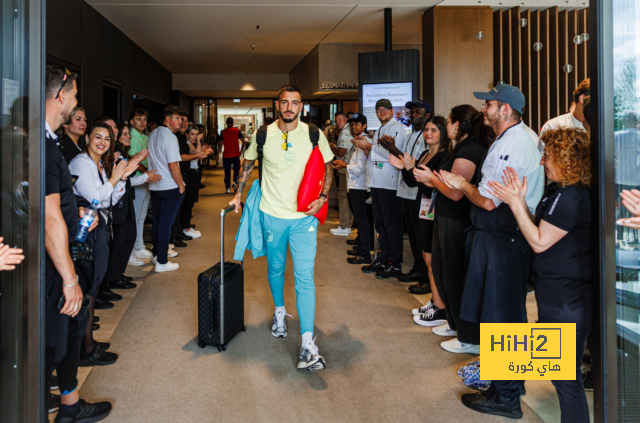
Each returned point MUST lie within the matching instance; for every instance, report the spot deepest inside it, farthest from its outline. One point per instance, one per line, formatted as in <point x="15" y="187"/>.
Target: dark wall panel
<point x="64" y="24"/>
<point x="113" y="41"/>
<point x="428" y="40"/>
<point x="555" y="68"/>
<point x="525" y="64"/>
<point x="534" y="30"/>
<point x="126" y="69"/>
<point x="572" y="53"/>
<point x="516" y="58"/>
<point x="563" y="55"/>
<point x="506" y="47"/>
<point x="544" y="67"/>
<point x="497" y="47"/>
<point x="146" y="83"/>
<point x="138" y="70"/>
<point x="92" y="63"/>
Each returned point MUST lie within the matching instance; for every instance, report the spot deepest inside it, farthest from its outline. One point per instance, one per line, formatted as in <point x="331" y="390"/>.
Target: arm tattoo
<point x="245" y="173"/>
<point x="328" y="178"/>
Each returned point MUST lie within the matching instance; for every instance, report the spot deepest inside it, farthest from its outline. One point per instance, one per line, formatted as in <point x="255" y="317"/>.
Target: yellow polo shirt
<point x="282" y="170"/>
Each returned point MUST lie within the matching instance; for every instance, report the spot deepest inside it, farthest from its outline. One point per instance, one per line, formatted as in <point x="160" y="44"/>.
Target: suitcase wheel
<point x="224" y="347"/>
<point x="201" y="344"/>
<point x="219" y="348"/>
<point x="244" y="328"/>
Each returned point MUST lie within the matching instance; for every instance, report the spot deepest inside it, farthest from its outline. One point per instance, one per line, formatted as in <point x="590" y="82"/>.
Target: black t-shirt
<point x="59" y="181"/>
<point x="470" y="150"/>
<point x="183" y="145"/>
<point x="563" y="272"/>
<point x="69" y="148"/>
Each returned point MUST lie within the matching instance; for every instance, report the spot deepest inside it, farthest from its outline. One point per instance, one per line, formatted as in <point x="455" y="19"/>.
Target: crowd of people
<point x="118" y="169"/>
<point x="483" y="222"/>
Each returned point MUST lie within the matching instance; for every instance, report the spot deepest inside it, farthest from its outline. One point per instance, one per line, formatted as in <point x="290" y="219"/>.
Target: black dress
<point x="69" y="148"/>
<point x="425" y="227"/>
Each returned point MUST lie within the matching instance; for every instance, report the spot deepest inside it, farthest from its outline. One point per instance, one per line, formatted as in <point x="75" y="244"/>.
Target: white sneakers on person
<point x="309" y="357"/>
<point x="167" y="267"/>
<point x="455" y="346"/>
<point x="134" y="261"/>
<point x="172" y="253"/>
<point x="341" y="231"/>
<point x="171" y="246"/>
<point x="423" y="309"/>
<point x="434" y="316"/>
<point x="192" y="233"/>
<point x="142" y="254"/>
<point x="228" y="191"/>
<point x="444" y="330"/>
<point x="279" y="326"/>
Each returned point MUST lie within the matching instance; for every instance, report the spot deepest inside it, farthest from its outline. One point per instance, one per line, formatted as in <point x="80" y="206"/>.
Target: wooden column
<point x="534" y="30"/>
<point x="525" y="66"/>
<point x="563" y="57"/>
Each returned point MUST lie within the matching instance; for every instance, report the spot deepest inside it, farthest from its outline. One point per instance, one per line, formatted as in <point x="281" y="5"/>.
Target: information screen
<point x="398" y="93"/>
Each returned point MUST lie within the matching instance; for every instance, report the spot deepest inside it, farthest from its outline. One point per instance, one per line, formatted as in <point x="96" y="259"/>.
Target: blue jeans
<point x="227" y="163"/>
<point x="165" y="208"/>
<point x="301" y="237"/>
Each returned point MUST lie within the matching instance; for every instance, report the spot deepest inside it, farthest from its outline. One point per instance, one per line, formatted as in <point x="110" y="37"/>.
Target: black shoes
<point x="184" y="237"/>
<point x="489" y="403"/>
<point x="98" y="357"/>
<point x="109" y="295"/>
<point x="104" y="346"/>
<point x="54" y="383"/>
<point x="202" y="186"/>
<point x="85" y="413"/>
<point x="178" y="243"/>
<point x="96" y="319"/>
<point x="374" y="267"/>
<point x="420" y="289"/>
<point x="103" y="304"/>
<point x="354" y="251"/>
<point x="96" y="327"/>
<point x="54" y="403"/>
<point x="127" y="278"/>
<point x="413" y="276"/>
<point x="359" y="260"/>
<point x="122" y="284"/>
<point x="389" y="272"/>
<point x="353" y="242"/>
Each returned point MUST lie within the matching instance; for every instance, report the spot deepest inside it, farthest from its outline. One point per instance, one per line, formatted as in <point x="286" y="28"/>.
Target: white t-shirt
<point x="514" y="148"/>
<point x="384" y="174"/>
<point x="163" y="149"/>
<point x="562" y="121"/>
<point x="415" y="146"/>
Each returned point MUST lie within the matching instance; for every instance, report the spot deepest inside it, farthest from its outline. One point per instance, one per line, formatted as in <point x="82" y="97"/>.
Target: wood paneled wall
<point x="539" y="74"/>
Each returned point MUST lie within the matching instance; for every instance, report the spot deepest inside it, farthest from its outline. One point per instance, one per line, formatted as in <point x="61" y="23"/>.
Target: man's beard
<point x="287" y="120"/>
<point x="492" y="120"/>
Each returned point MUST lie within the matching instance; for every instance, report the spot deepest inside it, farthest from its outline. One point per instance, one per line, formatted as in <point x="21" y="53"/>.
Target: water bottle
<point x="90" y="214"/>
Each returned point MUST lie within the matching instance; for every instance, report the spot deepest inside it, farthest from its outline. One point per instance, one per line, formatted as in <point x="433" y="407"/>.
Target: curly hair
<point x="569" y="150"/>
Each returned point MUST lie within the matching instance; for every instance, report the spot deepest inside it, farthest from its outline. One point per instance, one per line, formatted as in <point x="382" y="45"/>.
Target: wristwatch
<point x="324" y="195"/>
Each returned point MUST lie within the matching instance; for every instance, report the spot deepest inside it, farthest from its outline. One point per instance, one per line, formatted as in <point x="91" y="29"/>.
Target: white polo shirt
<point x="514" y="148"/>
<point x="415" y="146"/>
<point x="562" y="121"/>
<point x="384" y="174"/>
<point x="163" y="149"/>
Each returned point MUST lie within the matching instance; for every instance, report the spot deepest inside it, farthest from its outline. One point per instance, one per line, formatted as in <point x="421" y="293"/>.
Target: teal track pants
<point x="300" y="235"/>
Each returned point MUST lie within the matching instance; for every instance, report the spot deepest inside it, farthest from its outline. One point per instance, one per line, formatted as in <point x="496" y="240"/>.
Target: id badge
<point x="426" y="211"/>
<point x="289" y="158"/>
<point x="379" y="165"/>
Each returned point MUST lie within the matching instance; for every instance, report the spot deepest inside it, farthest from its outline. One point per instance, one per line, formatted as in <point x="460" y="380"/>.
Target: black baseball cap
<point x="357" y="117"/>
<point x="419" y="103"/>
<point x="504" y="93"/>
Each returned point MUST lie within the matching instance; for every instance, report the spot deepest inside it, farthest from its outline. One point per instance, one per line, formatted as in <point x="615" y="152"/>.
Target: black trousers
<point x="92" y="273"/>
<point x="573" y="400"/>
<point x="176" y="228"/>
<point x="411" y="210"/>
<point x="359" y="203"/>
<point x="448" y="264"/>
<point x="124" y="238"/>
<point x="354" y="224"/>
<point x="227" y="164"/>
<point x="190" y="197"/>
<point x="165" y="207"/>
<point x="387" y="214"/>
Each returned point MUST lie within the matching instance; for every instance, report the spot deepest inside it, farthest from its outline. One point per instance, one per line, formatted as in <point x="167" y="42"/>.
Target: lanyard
<point x="416" y="142"/>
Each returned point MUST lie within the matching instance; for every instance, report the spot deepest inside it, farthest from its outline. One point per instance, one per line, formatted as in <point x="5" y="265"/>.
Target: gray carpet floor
<point x="381" y="366"/>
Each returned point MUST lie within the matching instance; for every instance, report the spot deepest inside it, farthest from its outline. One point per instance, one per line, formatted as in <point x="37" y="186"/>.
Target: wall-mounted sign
<point x="338" y="85"/>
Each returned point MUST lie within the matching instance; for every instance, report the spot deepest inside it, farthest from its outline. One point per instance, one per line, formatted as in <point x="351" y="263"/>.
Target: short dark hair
<point x="586" y="109"/>
<point x="55" y="80"/>
<point x="268" y="120"/>
<point x="104" y="119"/>
<point x="172" y="111"/>
<point x="229" y="121"/>
<point x="289" y="89"/>
<point x="583" y="88"/>
<point x="341" y="113"/>
<point x="138" y="112"/>
<point x="349" y="114"/>
<point x="189" y="118"/>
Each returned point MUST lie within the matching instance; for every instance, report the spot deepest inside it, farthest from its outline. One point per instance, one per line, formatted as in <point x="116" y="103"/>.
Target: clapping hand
<point x="631" y="201"/>
<point x="451" y="180"/>
<point x="153" y="176"/>
<point x="9" y="257"/>
<point x="396" y="162"/>
<point x="422" y="174"/>
<point x="409" y="161"/>
<point x="132" y="165"/>
<point x="339" y="164"/>
<point x="511" y="191"/>
<point x="390" y="145"/>
<point x="142" y="154"/>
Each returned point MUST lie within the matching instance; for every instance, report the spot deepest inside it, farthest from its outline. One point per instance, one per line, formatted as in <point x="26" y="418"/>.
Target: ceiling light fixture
<point x="479" y="34"/>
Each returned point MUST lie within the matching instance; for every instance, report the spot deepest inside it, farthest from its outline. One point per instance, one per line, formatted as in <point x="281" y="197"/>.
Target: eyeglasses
<point x="285" y="144"/>
<point x="65" y="78"/>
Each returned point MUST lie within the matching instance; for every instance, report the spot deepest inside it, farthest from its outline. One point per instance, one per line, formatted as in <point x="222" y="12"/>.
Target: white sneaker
<point x="133" y="261"/>
<point x="228" y="191"/>
<point x="167" y="267"/>
<point x="310" y="359"/>
<point x="154" y="259"/>
<point x="455" y="346"/>
<point x="142" y="254"/>
<point x="192" y="233"/>
<point x="340" y="231"/>
<point x="423" y="309"/>
<point x="279" y="326"/>
<point x="444" y="330"/>
<point x="172" y="253"/>
<point x="171" y="246"/>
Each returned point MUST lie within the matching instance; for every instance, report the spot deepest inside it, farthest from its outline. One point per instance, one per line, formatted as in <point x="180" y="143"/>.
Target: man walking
<point x="419" y="113"/>
<point x="285" y="154"/>
<point x="495" y="241"/>
<point x="231" y="137"/>
<point x="343" y="152"/>
<point x="167" y="194"/>
<point x="387" y="210"/>
<point x="140" y="141"/>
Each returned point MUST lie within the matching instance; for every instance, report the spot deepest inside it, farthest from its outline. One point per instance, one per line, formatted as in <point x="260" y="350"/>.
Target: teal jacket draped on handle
<point x="250" y="235"/>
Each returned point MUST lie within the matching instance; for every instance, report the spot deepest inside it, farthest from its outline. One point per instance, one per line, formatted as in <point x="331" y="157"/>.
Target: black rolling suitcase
<point x="221" y="299"/>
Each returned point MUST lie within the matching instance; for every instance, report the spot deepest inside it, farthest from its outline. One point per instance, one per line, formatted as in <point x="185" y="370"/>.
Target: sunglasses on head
<point x="65" y="78"/>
